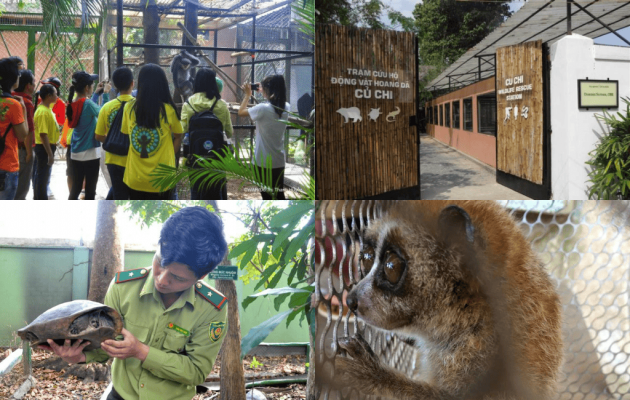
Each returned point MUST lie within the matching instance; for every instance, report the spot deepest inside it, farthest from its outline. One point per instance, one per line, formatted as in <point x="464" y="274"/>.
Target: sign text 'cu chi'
<point x="511" y="88"/>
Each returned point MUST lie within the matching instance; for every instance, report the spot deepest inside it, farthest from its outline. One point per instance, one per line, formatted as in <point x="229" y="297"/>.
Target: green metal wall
<point x="34" y="279"/>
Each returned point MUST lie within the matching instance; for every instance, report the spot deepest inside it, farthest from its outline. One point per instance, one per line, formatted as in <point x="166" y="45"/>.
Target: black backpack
<point x="3" y="137"/>
<point x="117" y="142"/>
<point x="205" y="135"/>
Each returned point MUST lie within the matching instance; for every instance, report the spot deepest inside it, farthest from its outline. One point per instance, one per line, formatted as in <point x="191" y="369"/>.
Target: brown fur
<point x="478" y="303"/>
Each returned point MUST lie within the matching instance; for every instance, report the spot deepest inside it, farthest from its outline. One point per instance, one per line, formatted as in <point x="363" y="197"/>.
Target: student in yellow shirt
<point x="123" y="82"/>
<point x="154" y="132"/>
<point x="46" y="138"/>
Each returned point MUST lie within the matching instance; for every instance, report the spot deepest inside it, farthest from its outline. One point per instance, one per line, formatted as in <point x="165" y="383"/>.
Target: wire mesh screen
<point x="69" y="55"/>
<point x="62" y="60"/>
<point x="14" y="43"/>
<point x="584" y="246"/>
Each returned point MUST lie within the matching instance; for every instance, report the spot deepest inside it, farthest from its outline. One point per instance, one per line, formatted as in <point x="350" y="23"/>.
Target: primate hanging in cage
<point x="458" y="281"/>
<point x="184" y="71"/>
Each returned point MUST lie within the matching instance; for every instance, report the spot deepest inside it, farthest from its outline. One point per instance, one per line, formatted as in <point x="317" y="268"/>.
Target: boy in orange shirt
<point x="13" y="127"/>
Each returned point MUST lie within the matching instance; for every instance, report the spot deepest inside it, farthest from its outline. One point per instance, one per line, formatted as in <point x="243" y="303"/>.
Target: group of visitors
<point x="148" y="126"/>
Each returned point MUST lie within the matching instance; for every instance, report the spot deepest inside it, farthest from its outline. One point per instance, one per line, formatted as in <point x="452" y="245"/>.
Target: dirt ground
<point x="52" y="385"/>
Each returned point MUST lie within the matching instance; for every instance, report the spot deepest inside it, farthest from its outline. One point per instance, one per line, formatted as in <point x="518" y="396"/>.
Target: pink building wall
<point x="478" y="145"/>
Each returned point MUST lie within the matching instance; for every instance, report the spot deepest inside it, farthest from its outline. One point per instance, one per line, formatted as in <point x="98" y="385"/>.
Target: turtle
<point x="74" y="320"/>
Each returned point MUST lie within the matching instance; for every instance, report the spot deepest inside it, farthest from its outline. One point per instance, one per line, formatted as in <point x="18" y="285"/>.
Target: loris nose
<point x="352" y="301"/>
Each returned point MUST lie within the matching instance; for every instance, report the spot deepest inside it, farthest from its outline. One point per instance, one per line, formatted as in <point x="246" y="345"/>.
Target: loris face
<point x="409" y="276"/>
<point x="412" y="272"/>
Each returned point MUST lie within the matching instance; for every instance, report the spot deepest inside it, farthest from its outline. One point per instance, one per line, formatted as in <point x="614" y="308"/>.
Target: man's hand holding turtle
<point x="70" y="353"/>
<point x="126" y="348"/>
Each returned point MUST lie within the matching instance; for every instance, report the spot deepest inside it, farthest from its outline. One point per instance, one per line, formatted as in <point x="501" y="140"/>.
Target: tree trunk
<point x="109" y="255"/>
<point x="151" y="25"/>
<point x="232" y="374"/>
<point x="312" y="390"/>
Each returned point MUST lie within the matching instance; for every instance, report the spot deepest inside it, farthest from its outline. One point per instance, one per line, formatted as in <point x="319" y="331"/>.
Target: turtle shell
<point x="74" y="320"/>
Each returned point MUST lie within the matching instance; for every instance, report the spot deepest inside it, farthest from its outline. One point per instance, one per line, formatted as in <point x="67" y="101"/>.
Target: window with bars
<point x="441" y="115"/>
<point x="468" y="115"/>
<point x="456" y="114"/>
<point x="447" y="115"/>
<point x="487" y="114"/>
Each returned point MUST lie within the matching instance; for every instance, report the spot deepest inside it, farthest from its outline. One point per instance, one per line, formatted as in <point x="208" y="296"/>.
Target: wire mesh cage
<point x="21" y="36"/>
<point x="584" y="246"/>
<point x="70" y="55"/>
<point x="236" y="37"/>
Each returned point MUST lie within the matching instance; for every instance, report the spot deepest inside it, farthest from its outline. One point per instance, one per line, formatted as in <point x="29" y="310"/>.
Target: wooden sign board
<point x="598" y="94"/>
<point x="519" y="91"/>
<point x="365" y="91"/>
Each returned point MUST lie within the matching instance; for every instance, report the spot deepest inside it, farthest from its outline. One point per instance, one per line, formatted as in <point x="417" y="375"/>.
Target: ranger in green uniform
<point x="174" y="323"/>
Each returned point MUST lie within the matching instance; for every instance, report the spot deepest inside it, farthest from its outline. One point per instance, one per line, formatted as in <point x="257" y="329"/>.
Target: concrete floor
<point x="59" y="184"/>
<point x="447" y="174"/>
<point x="59" y="187"/>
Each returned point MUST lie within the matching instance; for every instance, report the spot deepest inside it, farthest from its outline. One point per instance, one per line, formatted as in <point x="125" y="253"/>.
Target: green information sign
<point x="598" y="94"/>
<point x="224" y="272"/>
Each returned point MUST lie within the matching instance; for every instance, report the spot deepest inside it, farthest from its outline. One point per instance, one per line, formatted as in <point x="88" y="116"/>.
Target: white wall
<point x="575" y="132"/>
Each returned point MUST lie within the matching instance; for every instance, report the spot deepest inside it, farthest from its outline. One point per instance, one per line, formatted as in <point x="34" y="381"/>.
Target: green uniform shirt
<point x="184" y="339"/>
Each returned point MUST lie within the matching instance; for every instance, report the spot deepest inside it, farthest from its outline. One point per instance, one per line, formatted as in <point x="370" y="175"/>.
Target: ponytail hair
<point x="276" y="89"/>
<point x="80" y="81"/>
<point x="69" y="108"/>
<point x="36" y="98"/>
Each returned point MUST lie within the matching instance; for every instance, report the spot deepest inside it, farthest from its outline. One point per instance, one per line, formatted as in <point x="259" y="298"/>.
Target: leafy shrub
<point x="610" y="161"/>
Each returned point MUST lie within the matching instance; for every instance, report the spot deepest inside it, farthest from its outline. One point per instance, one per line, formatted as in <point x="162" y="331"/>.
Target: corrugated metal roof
<point x="539" y="19"/>
<point x="280" y="18"/>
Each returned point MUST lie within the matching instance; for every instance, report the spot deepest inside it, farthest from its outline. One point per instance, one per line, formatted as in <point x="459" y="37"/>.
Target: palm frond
<point x="58" y="15"/>
<point x="305" y="9"/>
<point x="212" y="171"/>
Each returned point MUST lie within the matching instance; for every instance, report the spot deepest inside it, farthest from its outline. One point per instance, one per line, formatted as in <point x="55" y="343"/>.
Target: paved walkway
<point x="445" y="174"/>
<point x="294" y="176"/>
<point x="59" y="183"/>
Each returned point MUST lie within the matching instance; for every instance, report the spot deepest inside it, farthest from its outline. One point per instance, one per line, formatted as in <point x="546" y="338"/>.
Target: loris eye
<point x="367" y="258"/>
<point x="393" y="267"/>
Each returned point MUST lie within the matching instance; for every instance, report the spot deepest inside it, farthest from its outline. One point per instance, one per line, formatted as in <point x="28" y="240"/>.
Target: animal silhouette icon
<point x="393" y="115"/>
<point x="350" y="113"/>
<point x="375" y="113"/>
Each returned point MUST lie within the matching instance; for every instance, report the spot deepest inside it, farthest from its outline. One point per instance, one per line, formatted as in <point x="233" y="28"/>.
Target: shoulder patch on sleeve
<point x="210" y="294"/>
<point x="132" y="275"/>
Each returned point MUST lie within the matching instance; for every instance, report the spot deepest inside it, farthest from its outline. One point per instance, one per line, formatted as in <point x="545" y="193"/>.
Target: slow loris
<point x="459" y="280"/>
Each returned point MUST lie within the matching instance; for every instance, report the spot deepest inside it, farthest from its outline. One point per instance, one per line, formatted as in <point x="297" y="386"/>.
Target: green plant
<point x="279" y="247"/>
<point x="225" y="165"/>
<point x="305" y="9"/>
<point x="255" y="364"/>
<point x="58" y="15"/>
<point x="610" y="160"/>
